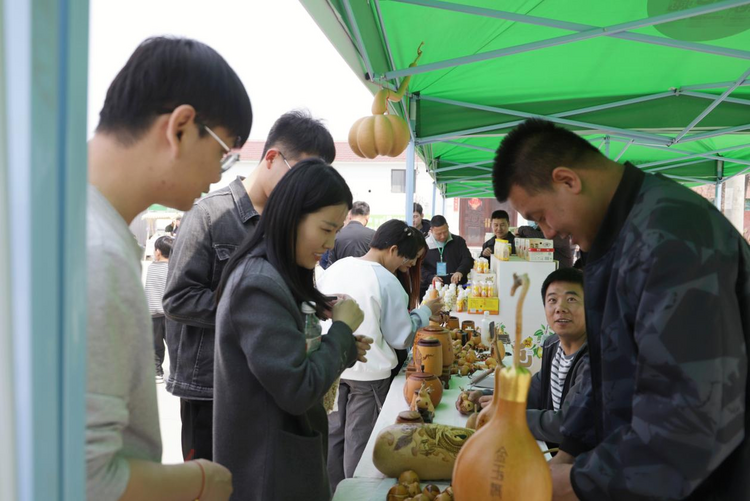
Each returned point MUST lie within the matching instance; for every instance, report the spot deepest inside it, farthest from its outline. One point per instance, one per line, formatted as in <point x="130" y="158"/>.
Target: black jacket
<point x="210" y="232"/>
<point x="352" y="241"/>
<point x="457" y="256"/>
<point x="510" y="237"/>
<point x="544" y="422"/>
<point x="667" y="287"/>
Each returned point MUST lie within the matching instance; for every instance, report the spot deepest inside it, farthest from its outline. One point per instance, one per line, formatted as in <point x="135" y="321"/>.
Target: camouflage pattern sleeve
<point x="577" y="425"/>
<point x="680" y="324"/>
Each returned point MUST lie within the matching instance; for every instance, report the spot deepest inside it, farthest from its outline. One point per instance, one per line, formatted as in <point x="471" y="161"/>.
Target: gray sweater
<point x="270" y="428"/>
<point x="122" y="419"/>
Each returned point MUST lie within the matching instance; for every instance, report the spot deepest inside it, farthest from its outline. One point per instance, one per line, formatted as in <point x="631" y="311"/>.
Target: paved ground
<point x="169" y="421"/>
<point x="169" y="411"/>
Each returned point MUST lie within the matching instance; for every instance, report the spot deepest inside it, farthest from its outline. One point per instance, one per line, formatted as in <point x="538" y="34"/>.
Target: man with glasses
<point x="153" y="145"/>
<point x="210" y="232"/>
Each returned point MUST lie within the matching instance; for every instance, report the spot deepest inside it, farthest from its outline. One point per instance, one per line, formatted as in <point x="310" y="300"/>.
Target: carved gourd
<point x="382" y="134"/>
<point x="502" y="460"/>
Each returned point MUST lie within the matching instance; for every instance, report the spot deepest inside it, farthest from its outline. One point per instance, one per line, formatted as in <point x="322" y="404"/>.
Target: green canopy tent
<point x="660" y="83"/>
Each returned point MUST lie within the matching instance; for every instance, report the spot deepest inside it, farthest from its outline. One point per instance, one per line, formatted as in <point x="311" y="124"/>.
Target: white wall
<point x="371" y="182"/>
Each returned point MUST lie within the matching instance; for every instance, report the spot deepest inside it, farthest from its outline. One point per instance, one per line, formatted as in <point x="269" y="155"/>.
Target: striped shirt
<point x="561" y="364"/>
<point x="156" y="279"/>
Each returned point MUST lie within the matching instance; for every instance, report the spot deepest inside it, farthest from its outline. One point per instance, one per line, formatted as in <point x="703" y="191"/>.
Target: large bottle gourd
<point x="502" y="461"/>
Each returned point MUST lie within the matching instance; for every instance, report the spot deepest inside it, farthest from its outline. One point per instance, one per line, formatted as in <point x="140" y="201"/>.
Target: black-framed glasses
<point x="229" y="159"/>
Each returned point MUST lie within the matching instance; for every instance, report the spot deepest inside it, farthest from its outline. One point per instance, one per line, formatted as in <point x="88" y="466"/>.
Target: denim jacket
<point x="209" y="234"/>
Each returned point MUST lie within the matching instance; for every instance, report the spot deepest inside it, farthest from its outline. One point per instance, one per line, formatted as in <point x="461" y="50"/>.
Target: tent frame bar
<point x="711" y="107"/>
<point x="563" y="114"/>
<point x="584" y="32"/>
<point x="575" y="123"/>
<point x="358" y="37"/>
<point x="733" y="100"/>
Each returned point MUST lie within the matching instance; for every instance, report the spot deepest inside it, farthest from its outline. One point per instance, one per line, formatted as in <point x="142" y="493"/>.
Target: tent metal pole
<point x="409" y="183"/>
<point x="711" y="106"/>
<point x="719" y="176"/>
<point x="457" y="134"/>
<point x="606" y="146"/>
<point x="434" y="195"/>
<point x="669" y="167"/>
<point x="701" y="95"/>
<point x="475" y="165"/>
<point x="705" y="156"/>
<point x="718" y="85"/>
<point x="575" y="123"/>
<point x="718" y="132"/>
<point x="469" y="146"/>
<point x="470" y="178"/>
<point x="475" y="189"/>
<point x="624" y="149"/>
<point x="585" y="32"/>
<point x="689" y="154"/>
<point x="443" y="213"/>
<point x="358" y="37"/>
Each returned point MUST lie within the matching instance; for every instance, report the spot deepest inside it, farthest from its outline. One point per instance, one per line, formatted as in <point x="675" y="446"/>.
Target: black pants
<point x="350" y="427"/>
<point x="197" y="428"/>
<point x="159" y="332"/>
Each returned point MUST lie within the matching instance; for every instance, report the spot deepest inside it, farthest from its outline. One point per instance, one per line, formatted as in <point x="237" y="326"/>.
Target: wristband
<point x="203" y="480"/>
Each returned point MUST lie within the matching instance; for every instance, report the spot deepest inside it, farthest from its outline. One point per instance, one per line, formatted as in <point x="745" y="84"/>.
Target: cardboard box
<point x="541" y="255"/>
<point x="478" y="305"/>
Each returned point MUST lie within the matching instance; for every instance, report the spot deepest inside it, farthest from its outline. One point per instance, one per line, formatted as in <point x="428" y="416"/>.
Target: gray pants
<point x="350" y="427"/>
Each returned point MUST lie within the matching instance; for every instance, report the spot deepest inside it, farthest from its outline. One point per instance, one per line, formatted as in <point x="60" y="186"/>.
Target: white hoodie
<point x="385" y="304"/>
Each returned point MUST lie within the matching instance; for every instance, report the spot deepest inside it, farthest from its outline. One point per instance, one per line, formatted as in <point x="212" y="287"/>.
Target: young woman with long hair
<point x="270" y="427"/>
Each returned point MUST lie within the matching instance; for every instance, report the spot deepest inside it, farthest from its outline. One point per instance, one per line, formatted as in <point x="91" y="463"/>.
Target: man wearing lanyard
<point x="447" y="256"/>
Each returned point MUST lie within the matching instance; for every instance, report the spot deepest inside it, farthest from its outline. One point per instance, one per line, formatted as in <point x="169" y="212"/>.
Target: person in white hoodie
<point x="371" y="281"/>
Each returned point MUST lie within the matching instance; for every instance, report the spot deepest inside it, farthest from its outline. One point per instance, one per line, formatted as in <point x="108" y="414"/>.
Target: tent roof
<point x="660" y="83"/>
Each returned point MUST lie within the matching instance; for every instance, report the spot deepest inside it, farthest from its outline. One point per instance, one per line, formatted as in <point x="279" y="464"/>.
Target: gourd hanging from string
<point x="382" y="133"/>
<point x="502" y="460"/>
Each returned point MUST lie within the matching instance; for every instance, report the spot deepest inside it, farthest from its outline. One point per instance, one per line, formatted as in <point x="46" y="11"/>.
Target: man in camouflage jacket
<point x="667" y="286"/>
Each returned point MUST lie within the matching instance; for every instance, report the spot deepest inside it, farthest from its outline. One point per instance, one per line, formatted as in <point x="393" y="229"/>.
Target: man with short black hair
<point x="501" y="231"/>
<point x="565" y="359"/>
<point x="418" y="220"/>
<point x="353" y="239"/>
<point x="667" y="415"/>
<point x="448" y="257"/>
<point x="211" y="231"/>
<point x="169" y="120"/>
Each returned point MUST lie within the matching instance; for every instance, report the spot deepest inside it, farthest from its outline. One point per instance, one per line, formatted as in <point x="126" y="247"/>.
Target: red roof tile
<point x="252" y="151"/>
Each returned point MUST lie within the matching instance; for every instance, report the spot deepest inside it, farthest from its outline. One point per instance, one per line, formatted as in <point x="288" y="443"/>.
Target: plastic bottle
<point x="485" y="329"/>
<point x="313" y="331"/>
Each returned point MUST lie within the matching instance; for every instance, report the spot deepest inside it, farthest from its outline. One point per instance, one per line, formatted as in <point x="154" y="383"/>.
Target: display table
<point x="368" y="483"/>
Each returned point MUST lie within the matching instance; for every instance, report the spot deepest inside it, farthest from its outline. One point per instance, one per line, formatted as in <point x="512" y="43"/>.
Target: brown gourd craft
<point x="502" y="461"/>
<point x="381" y="133"/>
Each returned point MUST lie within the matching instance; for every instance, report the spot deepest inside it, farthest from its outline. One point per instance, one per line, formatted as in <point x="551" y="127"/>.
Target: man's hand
<point x="364" y="343"/>
<point x="456" y="277"/>
<point x="562" y="490"/>
<point x="487" y="252"/>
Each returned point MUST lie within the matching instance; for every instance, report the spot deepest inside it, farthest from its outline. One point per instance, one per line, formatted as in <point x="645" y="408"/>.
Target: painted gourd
<point x="502" y="460"/>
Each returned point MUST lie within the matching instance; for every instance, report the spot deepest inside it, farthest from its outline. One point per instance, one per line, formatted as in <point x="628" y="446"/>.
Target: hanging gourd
<point x="381" y="133"/>
<point x="502" y="460"/>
